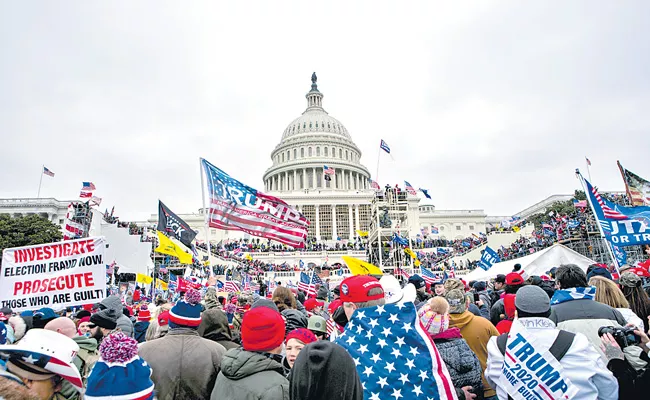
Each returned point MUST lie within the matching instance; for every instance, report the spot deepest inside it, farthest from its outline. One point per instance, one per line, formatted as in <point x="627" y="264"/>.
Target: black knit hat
<point x="106" y="319"/>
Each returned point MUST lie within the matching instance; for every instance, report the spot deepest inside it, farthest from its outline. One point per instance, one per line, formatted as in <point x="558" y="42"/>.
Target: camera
<point x="624" y="336"/>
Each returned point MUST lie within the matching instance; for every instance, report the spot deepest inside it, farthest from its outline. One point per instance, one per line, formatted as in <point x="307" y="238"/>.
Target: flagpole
<point x="378" y="158"/>
<point x="205" y="213"/>
<point x="600" y="228"/>
<point x="38" y="196"/>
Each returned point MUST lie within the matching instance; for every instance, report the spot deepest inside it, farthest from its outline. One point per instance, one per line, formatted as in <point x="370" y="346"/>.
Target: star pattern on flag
<point x="394" y="356"/>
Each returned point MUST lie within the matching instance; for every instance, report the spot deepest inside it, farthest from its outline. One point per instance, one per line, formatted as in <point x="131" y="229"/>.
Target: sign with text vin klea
<point x="54" y="275"/>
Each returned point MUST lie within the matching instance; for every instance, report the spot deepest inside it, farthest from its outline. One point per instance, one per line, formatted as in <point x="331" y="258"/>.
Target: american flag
<point x="85" y="195"/>
<point x="452" y="271"/>
<point x="607" y="211"/>
<point x="236" y="206"/>
<point x="402" y="272"/>
<point x="588" y="161"/>
<point x="308" y="284"/>
<point x="87" y="186"/>
<point x="331" y="326"/>
<point x="173" y="282"/>
<point x="394" y="355"/>
<point x="384" y="146"/>
<point x="95" y="201"/>
<point x="638" y="189"/>
<point x="374" y="185"/>
<point x="328" y="170"/>
<point x="48" y="172"/>
<point x="270" y="288"/>
<point x="231" y="287"/>
<point x="410" y="189"/>
<point x="428" y="275"/>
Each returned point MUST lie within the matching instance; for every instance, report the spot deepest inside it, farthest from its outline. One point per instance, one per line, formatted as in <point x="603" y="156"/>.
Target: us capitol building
<point x="337" y="207"/>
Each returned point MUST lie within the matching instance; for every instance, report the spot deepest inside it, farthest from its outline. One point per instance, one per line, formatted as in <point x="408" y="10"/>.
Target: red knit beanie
<point x="262" y="329"/>
<point x="303" y="334"/>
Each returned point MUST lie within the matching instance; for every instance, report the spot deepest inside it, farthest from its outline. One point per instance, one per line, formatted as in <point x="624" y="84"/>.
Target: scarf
<point x="579" y="293"/>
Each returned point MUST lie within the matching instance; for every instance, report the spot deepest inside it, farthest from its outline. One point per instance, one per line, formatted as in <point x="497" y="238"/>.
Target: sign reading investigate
<point x="61" y="274"/>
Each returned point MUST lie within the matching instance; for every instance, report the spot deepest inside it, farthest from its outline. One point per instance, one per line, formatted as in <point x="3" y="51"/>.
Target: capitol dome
<point x="309" y="144"/>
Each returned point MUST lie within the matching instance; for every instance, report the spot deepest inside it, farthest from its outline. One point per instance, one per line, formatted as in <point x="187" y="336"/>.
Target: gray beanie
<point x="262" y="302"/>
<point x="533" y="300"/>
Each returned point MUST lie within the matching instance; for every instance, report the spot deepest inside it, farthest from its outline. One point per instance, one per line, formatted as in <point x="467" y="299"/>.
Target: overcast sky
<point x="489" y="105"/>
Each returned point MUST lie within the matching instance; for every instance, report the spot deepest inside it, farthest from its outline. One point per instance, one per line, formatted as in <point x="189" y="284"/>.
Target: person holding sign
<point x="537" y="360"/>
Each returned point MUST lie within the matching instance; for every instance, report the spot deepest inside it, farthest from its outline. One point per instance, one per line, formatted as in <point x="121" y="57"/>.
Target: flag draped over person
<point x="236" y="206"/>
<point x="394" y="356"/>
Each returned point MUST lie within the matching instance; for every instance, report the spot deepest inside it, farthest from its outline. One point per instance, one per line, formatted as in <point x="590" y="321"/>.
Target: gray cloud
<point x="488" y="106"/>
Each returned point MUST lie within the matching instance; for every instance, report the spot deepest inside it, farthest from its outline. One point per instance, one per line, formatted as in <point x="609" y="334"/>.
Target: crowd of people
<point x="343" y="343"/>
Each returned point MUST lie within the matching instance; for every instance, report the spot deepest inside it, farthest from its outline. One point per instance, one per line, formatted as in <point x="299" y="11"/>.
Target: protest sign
<point x="530" y="372"/>
<point x="69" y="273"/>
<point x="488" y="258"/>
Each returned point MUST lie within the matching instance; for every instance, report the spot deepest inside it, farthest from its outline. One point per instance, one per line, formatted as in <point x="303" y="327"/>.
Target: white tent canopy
<point x="534" y="264"/>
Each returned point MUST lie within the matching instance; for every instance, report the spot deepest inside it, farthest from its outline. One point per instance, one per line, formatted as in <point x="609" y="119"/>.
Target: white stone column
<point x="350" y="222"/>
<point x="303" y="179"/>
<point x="333" y="182"/>
<point x="286" y="180"/>
<point x="334" y="222"/>
<point x="356" y="213"/>
<point x="317" y="222"/>
<point x="313" y="177"/>
<point x="295" y="180"/>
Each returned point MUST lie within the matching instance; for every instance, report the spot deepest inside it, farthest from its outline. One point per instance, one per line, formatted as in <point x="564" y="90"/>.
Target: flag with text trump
<point x="394" y="355"/>
<point x="236" y="206"/>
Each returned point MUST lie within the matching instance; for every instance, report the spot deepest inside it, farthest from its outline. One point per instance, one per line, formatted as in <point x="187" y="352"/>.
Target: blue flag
<point x="394" y="356"/>
<point x="622" y="226"/>
<point x="620" y="254"/>
<point x="400" y="240"/>
<point x="572" y="224"/>
<point x="488" y="258"/>
<point x="425" y="192"/>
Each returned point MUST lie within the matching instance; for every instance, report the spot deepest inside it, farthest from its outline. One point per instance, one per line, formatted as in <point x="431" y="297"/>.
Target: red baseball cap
<point x="312" y="303"/>
<point x="355" y="289"/>
<point x="639" y="272"/>
<point x="514" y="279"/>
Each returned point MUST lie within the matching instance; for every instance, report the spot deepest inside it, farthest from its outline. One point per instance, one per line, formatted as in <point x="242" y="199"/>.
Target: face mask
<point x="339" y="316"/>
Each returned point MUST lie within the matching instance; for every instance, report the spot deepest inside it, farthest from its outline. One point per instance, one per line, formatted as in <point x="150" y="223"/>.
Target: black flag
<point x="173" y="226"/>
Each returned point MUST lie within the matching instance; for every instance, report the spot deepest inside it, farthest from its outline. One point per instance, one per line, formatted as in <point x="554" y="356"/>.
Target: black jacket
<point x="632" y="384"/>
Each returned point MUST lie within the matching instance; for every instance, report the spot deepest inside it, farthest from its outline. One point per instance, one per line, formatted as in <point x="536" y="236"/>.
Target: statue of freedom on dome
<point x="313" y="77"/>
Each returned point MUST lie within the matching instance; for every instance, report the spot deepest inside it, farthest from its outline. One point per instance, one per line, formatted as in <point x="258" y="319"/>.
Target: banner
<point x="488" y="258"/>
<point x="172" y="225"/>
<point x="236" y="206"/>
<point x="621" y="226"/>
<point x="61" y="274"/>
<point x="532" y="373"/>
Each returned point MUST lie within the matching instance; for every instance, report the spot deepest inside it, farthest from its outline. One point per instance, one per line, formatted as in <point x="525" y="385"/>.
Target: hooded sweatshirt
<point x="140" y="331"/>
<point x="210" y="300"/>
<point x="295" y="319"/>
<point x="477" y="332"/>
<point x="247" y="375"/>
<point x="214" y="326"/>
<point x="322" y="371"/>
<point x="123" y="322"/>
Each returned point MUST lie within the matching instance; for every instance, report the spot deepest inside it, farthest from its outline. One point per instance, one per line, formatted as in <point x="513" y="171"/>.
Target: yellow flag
<point x="170" y="248"/>
<point x="248" y="257"/>
<point x="360" y="267"/>
<point x="362" y="233"/>
<point x="410" y="252"/>
<point x="142" y="278"/>
<point x="515" y="228"/>
<point x="417" y="263"/>
<point x="162" y="285"/>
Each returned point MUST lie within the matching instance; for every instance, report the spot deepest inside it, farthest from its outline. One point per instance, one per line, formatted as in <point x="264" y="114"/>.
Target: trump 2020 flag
<point x="173" y="225"/>
<point x="236" y="206"/>
<point x="395" y="357"/>
<point x="488" y="258"/>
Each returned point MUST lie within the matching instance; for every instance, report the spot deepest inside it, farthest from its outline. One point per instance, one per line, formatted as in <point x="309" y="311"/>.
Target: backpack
<point x="88" y="360"/>
<point x="558" y="349"/>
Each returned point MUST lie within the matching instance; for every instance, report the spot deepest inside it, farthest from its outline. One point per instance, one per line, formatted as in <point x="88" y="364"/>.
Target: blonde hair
<point x="608" y="293"/>
<point x="439" y="305"/>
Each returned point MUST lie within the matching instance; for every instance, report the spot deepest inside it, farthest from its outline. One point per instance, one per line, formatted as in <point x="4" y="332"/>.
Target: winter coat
<point x="581" y="364"/>
<point x="214" y="326"/>
<point x="123" y="322"/>
<point x="631" y="317"/>
<point x="477" y="332"/>
<point x="484" y="296"/>
<point x="295" y="319"/>
<point x="248" y="375"/>
<point x="463" y="365"/>
<point x="632" y="384"/>
<point x="496" y="311"/>
<point x="586" y="316"/>
<point x="84" y="361"/>
<point x="185" y="365"/>
<point x="140" y="331"/>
